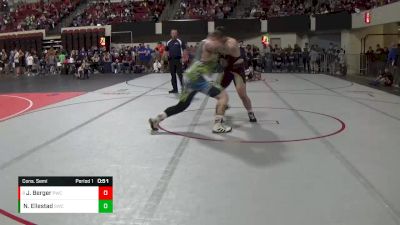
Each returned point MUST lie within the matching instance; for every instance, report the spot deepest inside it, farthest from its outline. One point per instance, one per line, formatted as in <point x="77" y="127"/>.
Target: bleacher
<point x="205" y="9"/>
<point x="277" y="8"/>
<point x="37" y="15"/>
<point x="106" y="13"/>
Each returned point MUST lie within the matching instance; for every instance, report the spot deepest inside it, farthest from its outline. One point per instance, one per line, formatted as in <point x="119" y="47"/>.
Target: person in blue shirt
<point x="142" y="51"/>
<point x="393" y="54"/>
<point x="149" y="57"/>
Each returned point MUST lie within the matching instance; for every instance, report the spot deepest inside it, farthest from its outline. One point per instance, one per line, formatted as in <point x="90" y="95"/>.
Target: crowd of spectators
<point x="143" y="58"/>
<point x="205" y="9"/>
<point x="309" y="59"/>
<point x="38" y="15"/>
<point x="383" y="61"/>
<point x="383" y="55"/>
<point x="82" y="63"/>
<point x="277" y="8"/>
<point x="45" y="14"/>
<point x="106" y="12"/>
<point x="3" y="6"/>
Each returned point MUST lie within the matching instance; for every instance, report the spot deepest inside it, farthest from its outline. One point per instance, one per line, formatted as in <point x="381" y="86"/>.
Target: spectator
<point x="296" y="48"/>
<point x="242" y="50"/>
<point x="95" y="62"/>
<point x="142" y="54"/>
<point x="161" y="49"/>
<point x="157" y="66"/>
<point x="396" y="68"/>
<point x="3" y="60"/>
<point x="51" y="60"/>
<point x="380" y="58"/>
<point x="306" y="58"/>
<point x="126" y="63"/>
<point x="29" y="63"/>
<point x="385" y="54"/>
<point x="61" y="57"/>
<point x="342" y="62"/>
<point x="157" y="55"/>
<point x="149" y="57"/>
<point x="393" y="55"/>
<point x="314" y="59"/>
<point x="107" y="59"/>
<point x="116" y="63"/>
<point x="370" y="54"/>
<point x="17" y="63"/>
<point x="385" y="78"/>
<point x="83" y="70"/>
<point x="370" y="57"/>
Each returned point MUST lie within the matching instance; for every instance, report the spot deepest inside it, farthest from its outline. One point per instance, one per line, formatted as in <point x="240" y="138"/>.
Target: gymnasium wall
<point x="236" y="27"/>
<point x="392" y="28"/>
<point x="324" y="39"/>
<point x="289" y="24"/>
<point x="333" y="21"/>
<point x="382" y="15"/>
<point x="285" y="39"/>
<point x="351" y="42"/>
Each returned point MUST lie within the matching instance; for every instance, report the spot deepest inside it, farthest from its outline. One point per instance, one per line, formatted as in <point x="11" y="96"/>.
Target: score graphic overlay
<point x="65" y="195"/>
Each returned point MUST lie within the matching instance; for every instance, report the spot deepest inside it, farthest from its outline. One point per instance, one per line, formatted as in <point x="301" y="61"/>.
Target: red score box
<point x="105" y="193"/>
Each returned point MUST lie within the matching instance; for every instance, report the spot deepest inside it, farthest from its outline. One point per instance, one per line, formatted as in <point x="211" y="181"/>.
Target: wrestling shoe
<point x="219" y="128"/>
<point x="153" y="124"/>
<point x="252" y="117"/>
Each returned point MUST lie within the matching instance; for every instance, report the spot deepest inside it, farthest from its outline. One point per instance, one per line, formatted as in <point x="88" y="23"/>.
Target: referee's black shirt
<point x="175" y="48"/>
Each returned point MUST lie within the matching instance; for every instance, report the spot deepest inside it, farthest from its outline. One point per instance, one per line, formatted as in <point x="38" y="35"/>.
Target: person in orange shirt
<point x="161" y="48"/>
<point x="163" y="57"/>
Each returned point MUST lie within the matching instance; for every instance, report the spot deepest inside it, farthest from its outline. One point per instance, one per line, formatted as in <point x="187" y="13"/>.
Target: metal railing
<point x="338" y="65"/>
<point x="372" y="64"/>
<point x="301" y="62"/>
<point x="358" y="64"/>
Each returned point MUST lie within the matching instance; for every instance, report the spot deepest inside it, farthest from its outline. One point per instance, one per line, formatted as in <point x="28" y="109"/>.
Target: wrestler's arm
<point x="232" y="48"/>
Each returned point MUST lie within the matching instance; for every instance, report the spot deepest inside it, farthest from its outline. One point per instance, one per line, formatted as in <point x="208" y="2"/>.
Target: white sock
<point x="162" y="116"/>
<point x="219" y="118"/>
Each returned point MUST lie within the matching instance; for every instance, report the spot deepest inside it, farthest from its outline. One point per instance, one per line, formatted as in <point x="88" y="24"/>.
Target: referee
<point x="174" y="49"/>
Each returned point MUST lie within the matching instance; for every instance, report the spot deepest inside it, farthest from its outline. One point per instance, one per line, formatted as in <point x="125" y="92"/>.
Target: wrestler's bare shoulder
<point x="232" y="41"/>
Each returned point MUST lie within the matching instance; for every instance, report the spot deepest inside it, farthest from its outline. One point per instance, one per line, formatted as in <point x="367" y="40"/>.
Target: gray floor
<point x="350" y="177"/>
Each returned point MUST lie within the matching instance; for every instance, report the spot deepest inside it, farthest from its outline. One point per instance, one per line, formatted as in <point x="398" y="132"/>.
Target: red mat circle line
<point x="341" y="129"/>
